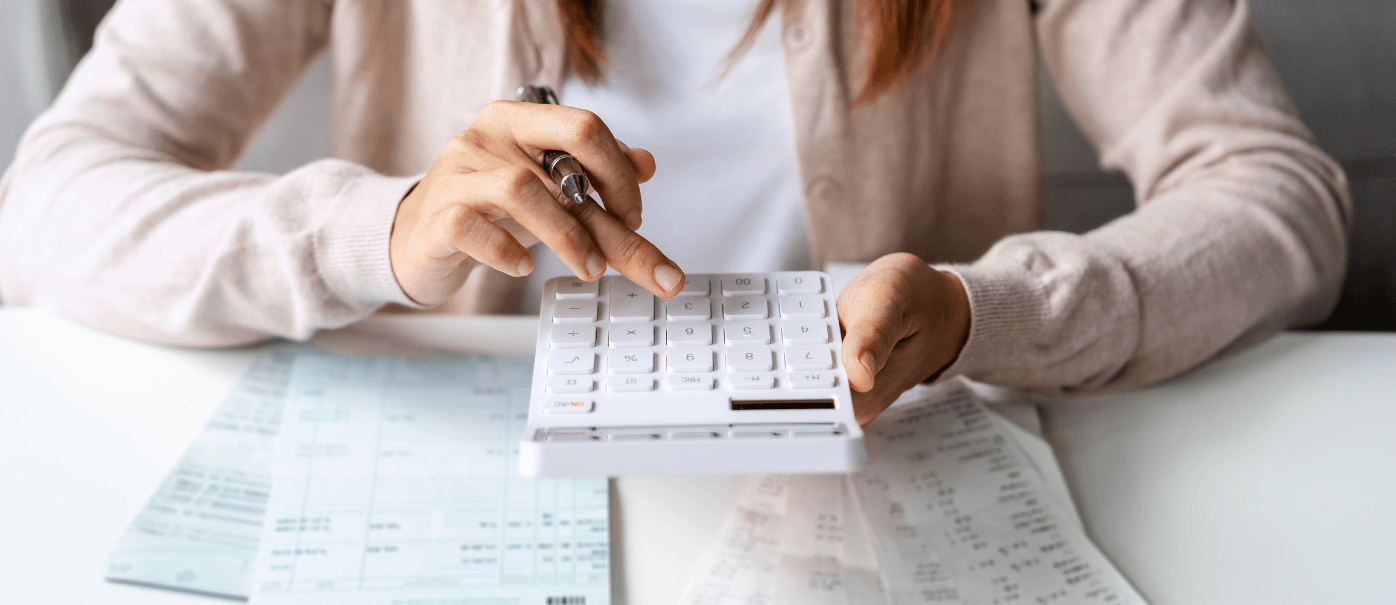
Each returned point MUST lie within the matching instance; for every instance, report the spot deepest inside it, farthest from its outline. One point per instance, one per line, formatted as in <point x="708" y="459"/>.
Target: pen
<point x="561" y="167"/>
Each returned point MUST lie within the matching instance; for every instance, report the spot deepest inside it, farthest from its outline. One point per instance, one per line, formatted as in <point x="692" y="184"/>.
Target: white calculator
<point x="739" y="373"/>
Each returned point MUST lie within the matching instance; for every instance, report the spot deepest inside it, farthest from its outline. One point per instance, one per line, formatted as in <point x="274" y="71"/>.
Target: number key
<point x="690" y="359"/>
<point x="744" y="307"/>
<point x="748" y="333"/>
<point x="690" y="334"/>
<point x="749" y="359"/>
<point x="805" y="332"/>
<point x="743" y="283"/>
<point x="809" y="358"/>
<point x="802" y="307"/>
<point x="689" y="308"/>
<point x="800" y="282"/>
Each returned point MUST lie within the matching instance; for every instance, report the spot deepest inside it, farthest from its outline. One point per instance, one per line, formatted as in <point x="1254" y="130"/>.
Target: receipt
<point x="739" y="566"/>
<point x="826" y="556"/>
<point x="395" y="483"/>
<point x="199" y="530"/>
<point x="950" y="509"/>
<point x="943" y="477"/>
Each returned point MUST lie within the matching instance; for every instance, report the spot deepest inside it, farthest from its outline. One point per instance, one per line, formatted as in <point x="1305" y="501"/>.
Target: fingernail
<point x="632" y="220"/>
<point x="525" y="267"/>
<point x="595" y="264"/>
<point x="869" y="363"/>
<point x="667" y="277"/>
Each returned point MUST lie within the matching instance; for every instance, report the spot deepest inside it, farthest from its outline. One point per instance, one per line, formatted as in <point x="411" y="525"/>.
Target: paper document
<point x="395" y="484"/>
<point x="950" y="509"/>
<point x="199" y="531"/>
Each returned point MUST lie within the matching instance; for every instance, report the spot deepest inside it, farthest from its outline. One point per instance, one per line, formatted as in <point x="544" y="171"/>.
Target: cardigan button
<point x="798" y="34"/>
<point x="824" y="190"/>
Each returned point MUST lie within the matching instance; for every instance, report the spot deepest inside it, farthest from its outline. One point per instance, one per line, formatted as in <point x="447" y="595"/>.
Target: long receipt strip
<point x="199" y="531"/>
<point x="396" y="483"/>
<point x="949" y="509"/>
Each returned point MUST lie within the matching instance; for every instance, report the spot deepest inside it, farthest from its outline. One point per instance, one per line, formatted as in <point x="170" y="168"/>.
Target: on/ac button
<point x="567" y="406"/>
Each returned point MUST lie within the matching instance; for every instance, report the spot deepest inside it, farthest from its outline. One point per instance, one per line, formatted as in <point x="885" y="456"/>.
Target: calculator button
<point x="574" y="312"/>
<point x="630" y="384"/>
<point x="743" y="283"/>
<point x="805" y="332"/>
<point x="632" y="436"/>
<point x="569" y="289"/>
<point x="563" y="362"/>
<point x="632" y="336"/>
<point x="689" y="309"/>
<point x="749" y="359"/>
<point x="802" y="307"/>
<point x="562" y="406"/>
<point x="809" y="358"/>
<point x="630" y="362"/>
<point x="744" y="307"/>
<point x="690" y="383"/>
<point x="754" y="434"/>
<point x="806" y="433"/>
<point x="570" y="385"/>
<point x="571" y="438"/>
<point x="690" y="333"/>
<point x="570" y="432"/>
<point x="812" y="380"/>
<point x="629" y="302"/>
<point x="743" y="382"/>
<point x="695" y="435"/>
<point x="690" y="359"/>
<point x="697" y="285"/>
<point x="748" y="333"/>
<point x="572" y="337"/>
<point x="800" y="282"/>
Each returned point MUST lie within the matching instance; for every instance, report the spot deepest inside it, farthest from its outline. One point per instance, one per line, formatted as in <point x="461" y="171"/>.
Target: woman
<point x="913" y="127"/>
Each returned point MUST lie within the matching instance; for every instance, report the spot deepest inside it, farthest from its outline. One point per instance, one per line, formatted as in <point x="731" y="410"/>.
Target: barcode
<point x="567" y="601"/>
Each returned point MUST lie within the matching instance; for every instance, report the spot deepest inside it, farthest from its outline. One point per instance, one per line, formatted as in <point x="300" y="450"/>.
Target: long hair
<point x="901" y="35"/>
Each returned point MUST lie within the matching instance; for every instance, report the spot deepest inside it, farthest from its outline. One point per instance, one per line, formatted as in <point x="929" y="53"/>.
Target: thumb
<point x="872" y="326"/>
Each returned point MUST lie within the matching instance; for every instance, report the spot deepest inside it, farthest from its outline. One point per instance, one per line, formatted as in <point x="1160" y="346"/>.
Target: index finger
<point x="584" y="135"/>
<point x="633" y="256"/>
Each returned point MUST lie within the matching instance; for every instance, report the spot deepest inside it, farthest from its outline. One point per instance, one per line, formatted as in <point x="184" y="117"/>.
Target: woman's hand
<point x="903" y="321"/>
<point x="491" y="172"/>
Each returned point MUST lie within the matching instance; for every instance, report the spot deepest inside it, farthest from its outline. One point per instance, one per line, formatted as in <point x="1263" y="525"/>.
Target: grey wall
<point x="24" y="83"/>
<point x="1338" y="59"/>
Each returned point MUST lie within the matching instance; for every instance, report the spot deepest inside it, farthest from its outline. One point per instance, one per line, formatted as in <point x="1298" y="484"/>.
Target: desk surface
<point x="1262" y="478"/>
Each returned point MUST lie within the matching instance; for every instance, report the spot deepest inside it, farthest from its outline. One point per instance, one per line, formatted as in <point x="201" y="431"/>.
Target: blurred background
<point x="1338" y="58"/>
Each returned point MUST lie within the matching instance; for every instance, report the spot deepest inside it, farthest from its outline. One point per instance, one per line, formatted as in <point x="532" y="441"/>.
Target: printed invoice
<point x="396" y="483"/>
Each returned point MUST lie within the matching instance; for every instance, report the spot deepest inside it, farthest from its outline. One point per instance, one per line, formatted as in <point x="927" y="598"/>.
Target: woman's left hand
<point x="902" y="322"/>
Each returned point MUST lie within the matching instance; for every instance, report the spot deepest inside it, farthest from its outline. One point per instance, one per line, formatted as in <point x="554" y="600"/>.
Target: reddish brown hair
<point x="901" y="35"/>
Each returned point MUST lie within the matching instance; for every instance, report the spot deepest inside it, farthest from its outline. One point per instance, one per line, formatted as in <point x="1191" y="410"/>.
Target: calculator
<point x="739" y="373"/>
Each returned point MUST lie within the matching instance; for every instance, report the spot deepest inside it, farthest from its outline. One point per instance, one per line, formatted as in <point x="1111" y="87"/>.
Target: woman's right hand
<point x="492" y="171"/>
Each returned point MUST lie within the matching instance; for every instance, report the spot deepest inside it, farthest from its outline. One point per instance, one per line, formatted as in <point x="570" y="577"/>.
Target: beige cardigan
<point x="118" y="211"/>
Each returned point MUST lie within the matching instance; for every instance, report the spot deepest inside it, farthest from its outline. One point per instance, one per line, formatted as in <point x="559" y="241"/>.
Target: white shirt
<point x="725" y="196"/>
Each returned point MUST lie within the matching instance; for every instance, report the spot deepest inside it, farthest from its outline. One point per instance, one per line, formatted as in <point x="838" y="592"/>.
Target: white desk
<point x="91" y="423"/>
<point x="1269" y="477"/>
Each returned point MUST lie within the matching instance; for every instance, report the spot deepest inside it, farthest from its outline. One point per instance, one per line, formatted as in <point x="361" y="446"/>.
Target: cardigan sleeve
<point x="1240" y="225"/>
<point x="119" y="211"/>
